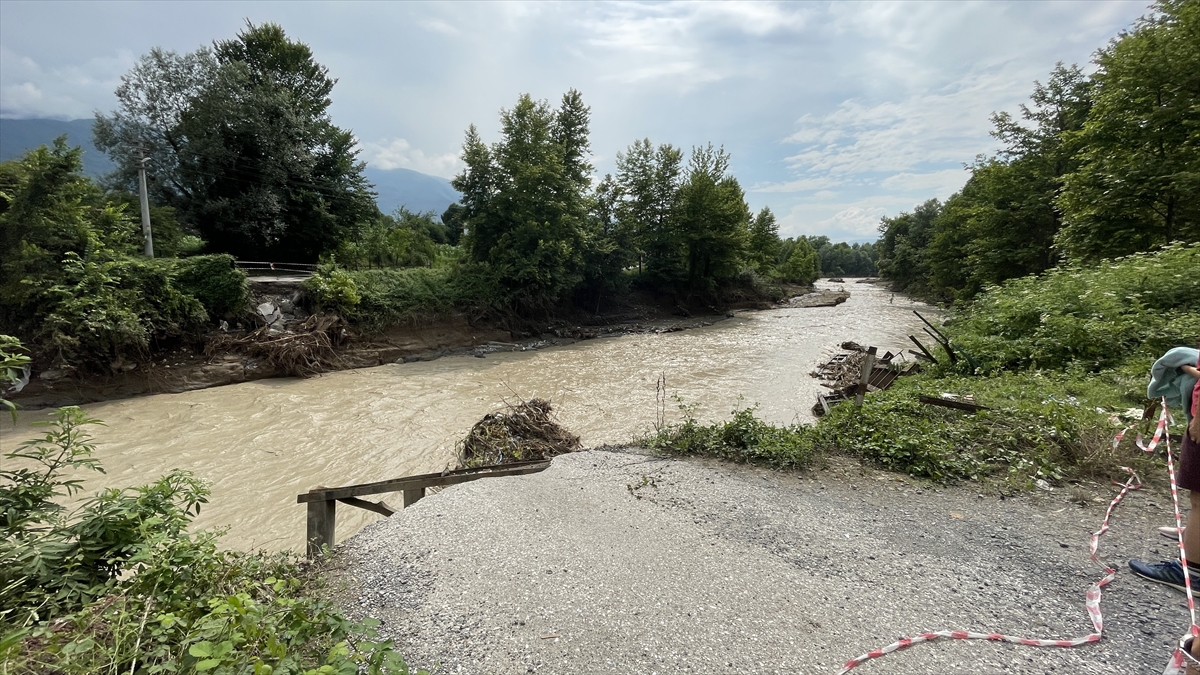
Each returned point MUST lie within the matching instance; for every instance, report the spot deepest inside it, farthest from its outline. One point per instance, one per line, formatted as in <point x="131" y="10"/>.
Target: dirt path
<point x="617" y="562"/>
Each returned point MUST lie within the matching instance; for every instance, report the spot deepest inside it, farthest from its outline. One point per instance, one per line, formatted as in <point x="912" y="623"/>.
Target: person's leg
<point x="1191" y="533"/>
<point x="1170" y="572"/>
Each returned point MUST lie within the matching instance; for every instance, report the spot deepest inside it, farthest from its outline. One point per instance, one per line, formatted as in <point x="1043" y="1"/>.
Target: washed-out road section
<point x="624" y="562"/>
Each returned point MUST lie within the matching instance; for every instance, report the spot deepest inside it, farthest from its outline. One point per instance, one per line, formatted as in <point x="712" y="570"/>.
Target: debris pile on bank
<point x="843" y="373"/>
<point x="526" y="431"/>
<point x="300" y="351"/>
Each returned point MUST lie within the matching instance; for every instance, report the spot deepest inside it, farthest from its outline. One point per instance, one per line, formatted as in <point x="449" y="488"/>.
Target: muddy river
<point x="261" y="443"/>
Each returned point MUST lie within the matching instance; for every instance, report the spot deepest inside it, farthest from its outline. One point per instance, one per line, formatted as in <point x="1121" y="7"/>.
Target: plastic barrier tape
<point x="1092" y="596"/>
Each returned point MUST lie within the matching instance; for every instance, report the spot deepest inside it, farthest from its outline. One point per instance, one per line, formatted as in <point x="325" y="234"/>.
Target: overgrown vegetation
<point x="120" y="584"/>
<point x="72" y="279"/>
<point x="1058" y="356"/>
<point x="744" y="438"/>
<point x="1085" y="319"/>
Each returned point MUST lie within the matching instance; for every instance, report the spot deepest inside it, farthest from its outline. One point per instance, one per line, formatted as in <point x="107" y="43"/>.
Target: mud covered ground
<point x="622" y="562"/>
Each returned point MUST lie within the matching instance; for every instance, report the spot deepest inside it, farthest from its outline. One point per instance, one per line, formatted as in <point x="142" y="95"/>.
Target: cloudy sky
<point x="835" y="113"/>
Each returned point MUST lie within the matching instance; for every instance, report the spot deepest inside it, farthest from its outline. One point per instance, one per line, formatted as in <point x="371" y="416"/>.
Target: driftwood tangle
<point x="303" y="352"/>
<point x="526" y="431"/>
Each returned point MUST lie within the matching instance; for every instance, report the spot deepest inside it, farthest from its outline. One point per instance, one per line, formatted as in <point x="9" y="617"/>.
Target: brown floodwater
<point x="261" y="443"/>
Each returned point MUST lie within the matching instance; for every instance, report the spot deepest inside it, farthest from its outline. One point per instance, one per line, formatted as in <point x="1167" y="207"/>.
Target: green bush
<point x="1092" y="318"/>
<point x="104" y="310"/>
<point x="216" y="282"/>
<point x="375" y="299"/>
<point x="121" y="585"/>
<point x="744" y="438"/>
<point x="73" y="282"/>
<point x="333" y="290"/>
<point x="395" y="295"/>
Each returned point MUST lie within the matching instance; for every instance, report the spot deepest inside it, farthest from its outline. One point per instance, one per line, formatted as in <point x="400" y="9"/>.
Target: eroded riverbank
<point x="214" y="360"/>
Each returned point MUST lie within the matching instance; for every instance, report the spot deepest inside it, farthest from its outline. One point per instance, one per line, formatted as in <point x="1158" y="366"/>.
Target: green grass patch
<point x="1040" y="426"/>
<point x="744" y="438"/>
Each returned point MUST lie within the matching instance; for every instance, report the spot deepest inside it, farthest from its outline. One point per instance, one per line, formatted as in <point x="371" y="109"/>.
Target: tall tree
<point x="526" y="201"/>
<point x="713" y="220"/>
<point x="243" y="145"/>
<point x="902" y="249"/>
<point x="649" y="179"/>
<point x="1140" y="173"/>
<point x="764" y="244"/>
<point x="801" y="263"/>
<point x="152" y="99"/>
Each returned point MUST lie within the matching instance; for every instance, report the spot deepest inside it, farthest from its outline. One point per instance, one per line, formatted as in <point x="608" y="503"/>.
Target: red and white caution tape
<point x="1092" y="597"/>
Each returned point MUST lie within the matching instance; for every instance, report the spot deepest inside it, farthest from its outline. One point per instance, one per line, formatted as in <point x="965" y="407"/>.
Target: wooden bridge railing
<point x="322" y="501"/>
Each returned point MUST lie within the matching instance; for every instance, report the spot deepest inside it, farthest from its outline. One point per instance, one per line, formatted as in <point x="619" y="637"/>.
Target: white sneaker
<point x="1171" y="532"/>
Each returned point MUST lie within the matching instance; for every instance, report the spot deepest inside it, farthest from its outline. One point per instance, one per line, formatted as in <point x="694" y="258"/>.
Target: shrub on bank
<point x="1085" y="318"/>
<point x="1039" y="426"/>
<point x="120" y="585"/>
<point x="73" y="282"/>
<point x="102" y="311"/>
<point x="376" y="299"/>
<point x="215" y="281"/>
<point x="744" y="438"/>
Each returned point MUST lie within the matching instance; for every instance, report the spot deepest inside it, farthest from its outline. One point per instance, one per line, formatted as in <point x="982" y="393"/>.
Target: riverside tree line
<point x="245" y="161"/>
<point x="1095" y="167"/>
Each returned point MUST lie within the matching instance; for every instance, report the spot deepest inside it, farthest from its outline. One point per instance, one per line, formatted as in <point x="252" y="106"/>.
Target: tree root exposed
<point x="527" y="431"/>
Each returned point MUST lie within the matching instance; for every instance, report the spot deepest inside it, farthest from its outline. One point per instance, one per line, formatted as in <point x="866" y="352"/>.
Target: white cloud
<point x="939" y="183"/>
<point x="398" y="153"/>
<point x="846" y="220"/>
<point x="28" y="89"/>
<point x="951" y="125"/>
<point x="439" y="26"/>
<point x="860" y="220"/>
<point x="800" y="184"/>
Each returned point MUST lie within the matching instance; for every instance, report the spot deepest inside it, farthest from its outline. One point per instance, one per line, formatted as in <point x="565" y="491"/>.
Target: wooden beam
<point x="868" y="366"/>
<point x="413" y="495"/>
<point x="948" y="403"/>
<point x="935" y="328"/>
<point x="422" y="481"/>
<point x="321" y="517"/>
<point x="378" y="507"/>
<point x="924" y="352"/>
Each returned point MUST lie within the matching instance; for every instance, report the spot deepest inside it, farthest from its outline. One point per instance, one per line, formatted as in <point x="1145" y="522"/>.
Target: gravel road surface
<point x="621" y="562"/>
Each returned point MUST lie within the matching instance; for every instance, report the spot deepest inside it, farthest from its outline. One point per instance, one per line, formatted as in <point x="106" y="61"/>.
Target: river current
<point x="261" y="443"/>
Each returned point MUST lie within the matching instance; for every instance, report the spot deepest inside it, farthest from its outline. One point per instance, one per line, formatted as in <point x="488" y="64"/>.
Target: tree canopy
<point x="525" y="198"/>
<point x="1096" y="167"/>
<point x="239" y="141"/>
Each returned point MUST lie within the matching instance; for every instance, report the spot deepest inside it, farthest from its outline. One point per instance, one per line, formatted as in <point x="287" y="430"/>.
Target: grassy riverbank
<point x="1054" y="357"/>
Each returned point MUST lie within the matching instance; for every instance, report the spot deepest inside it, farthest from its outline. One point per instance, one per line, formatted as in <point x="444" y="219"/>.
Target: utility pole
<point x="146" y="234"/>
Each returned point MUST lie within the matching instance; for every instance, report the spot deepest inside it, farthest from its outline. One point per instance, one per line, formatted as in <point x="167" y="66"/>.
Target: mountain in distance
<point x="20" y="136"/>
<point x="415" y="191"/>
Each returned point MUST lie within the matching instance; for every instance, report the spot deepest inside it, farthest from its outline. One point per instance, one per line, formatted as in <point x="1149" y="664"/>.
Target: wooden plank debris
<point x="952" y="403"/>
